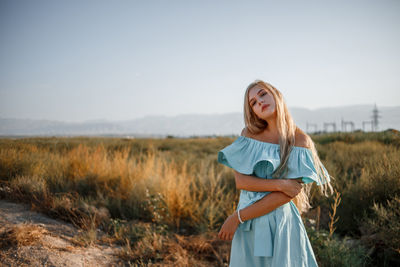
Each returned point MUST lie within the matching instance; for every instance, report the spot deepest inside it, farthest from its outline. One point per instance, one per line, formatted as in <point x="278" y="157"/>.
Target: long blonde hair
<point x="287" y="130"/>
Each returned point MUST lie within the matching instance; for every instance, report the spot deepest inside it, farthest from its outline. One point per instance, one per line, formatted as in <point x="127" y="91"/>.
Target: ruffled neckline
<point x="251" y="156"/>
<point x="267" y="143"/>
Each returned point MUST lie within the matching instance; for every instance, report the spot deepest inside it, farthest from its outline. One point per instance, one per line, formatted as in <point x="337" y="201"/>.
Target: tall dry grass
<point x="148" y="190"/>
<point x="187" y="194"/>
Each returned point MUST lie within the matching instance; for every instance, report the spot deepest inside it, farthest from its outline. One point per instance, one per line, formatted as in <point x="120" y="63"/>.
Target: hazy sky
<point x="117" y="60"/>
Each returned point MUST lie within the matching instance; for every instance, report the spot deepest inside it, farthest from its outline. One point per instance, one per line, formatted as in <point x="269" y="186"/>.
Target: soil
<point x="28" y="238"/>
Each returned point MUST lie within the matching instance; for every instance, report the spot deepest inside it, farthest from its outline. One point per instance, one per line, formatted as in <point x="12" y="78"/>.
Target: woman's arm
<point x="263" y="206"/>
<point x="257" y="209"/>
<point x="252" y="183"/>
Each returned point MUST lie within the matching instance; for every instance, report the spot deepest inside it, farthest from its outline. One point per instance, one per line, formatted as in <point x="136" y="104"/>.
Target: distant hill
<point x="196" y="124"/>
<point x="390" y="116"/>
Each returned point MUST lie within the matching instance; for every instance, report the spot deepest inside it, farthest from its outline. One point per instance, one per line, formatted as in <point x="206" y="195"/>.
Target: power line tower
<point x="365" y="123"/>
<point x="328" y="124"/>
<point x="344" y="125"/>
<point x="375" y="118"/>
<point x="310" y="125"/>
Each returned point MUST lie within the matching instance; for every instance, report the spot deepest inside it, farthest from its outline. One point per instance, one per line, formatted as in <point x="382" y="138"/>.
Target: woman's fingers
<point x="225" y="236"/>
<point x="221" y="235"/>
<point x="292" y="187"/>
<point x="297" y="188"/>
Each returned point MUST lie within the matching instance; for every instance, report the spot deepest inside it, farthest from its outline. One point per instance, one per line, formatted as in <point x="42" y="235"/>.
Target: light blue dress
<point x="278" y="238"/>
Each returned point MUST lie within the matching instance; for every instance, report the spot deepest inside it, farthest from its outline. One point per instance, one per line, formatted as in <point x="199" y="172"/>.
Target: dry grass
<point x="147" y="186"/>
<point x="150" y="195"/>
<point x="24" y="234"/>
<point x="332" y="214"/>
<point x="89" y="185"/>
<point x="178" y="250"/>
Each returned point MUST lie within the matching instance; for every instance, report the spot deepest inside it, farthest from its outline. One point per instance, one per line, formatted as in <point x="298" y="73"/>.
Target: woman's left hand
<point x="229" y="227"/>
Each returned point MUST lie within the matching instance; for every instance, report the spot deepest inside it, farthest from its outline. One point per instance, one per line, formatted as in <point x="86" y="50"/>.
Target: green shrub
<point x="365" y="173"/>
<point x="335" y="252"/>
<point x="382" y="231"/>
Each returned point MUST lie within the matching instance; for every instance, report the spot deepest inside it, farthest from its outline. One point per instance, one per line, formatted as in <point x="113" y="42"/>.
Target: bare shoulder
<point x="244" y="132"/>
<point x="302" y="139"/>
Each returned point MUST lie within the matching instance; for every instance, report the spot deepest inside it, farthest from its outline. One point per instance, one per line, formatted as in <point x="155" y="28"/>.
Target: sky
<point x="119" y="60"/>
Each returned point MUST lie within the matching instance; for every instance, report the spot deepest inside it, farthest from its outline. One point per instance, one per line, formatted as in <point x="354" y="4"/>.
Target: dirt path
<point x="28" y="238"/>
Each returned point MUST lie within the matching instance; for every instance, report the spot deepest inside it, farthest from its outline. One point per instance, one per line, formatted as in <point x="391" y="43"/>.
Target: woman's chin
<point x="267" y="116"/>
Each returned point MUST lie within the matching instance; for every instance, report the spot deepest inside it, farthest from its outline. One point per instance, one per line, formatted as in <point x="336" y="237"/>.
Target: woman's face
<point x="262" y="102"/>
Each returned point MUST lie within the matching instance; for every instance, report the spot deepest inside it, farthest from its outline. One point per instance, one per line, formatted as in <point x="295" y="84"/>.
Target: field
<point x="163" y="200"/>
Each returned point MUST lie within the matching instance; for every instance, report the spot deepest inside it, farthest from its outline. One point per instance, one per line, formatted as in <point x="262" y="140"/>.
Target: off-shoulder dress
<point x="278" y="238"/>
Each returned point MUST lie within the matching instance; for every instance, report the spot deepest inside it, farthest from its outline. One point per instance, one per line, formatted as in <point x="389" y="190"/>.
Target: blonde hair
<point x="287" y="130"/>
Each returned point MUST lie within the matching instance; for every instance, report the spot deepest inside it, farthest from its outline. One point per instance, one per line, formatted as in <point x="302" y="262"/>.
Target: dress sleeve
<point x="301" y="165"/>
<point x="249" y="157"/>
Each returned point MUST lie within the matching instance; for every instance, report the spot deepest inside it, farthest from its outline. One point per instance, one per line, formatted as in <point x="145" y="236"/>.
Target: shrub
<point x="382" y="231"/>
<point x="334" y="252"/>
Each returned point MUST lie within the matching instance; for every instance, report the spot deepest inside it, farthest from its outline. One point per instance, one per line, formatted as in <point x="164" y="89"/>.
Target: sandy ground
<point x="48" y="242"/>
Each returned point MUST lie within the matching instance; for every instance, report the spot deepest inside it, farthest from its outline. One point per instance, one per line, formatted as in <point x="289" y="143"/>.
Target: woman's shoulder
<point x="261" y="136"/>
<point x="302" y="139"/>
<point x="245" y="132"/>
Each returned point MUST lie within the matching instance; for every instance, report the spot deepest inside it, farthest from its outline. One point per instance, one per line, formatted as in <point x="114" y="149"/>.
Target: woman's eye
<point x="262" y="94"/>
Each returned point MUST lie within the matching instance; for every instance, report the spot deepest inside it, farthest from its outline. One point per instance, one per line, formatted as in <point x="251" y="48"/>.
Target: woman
<point x="267" y="229"/>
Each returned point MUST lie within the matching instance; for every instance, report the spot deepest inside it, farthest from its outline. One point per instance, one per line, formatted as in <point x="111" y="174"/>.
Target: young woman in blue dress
<point x="270" y="125"/>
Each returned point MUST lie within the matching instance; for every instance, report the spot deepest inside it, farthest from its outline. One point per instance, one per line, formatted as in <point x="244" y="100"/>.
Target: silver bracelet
<point x="240" y="219"/>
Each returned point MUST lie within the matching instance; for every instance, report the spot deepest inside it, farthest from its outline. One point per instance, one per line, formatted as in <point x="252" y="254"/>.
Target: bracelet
<point x="240" y="219"/>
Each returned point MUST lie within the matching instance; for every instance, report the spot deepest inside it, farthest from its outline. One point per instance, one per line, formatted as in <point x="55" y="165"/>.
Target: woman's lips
<point x="264" y="107"/>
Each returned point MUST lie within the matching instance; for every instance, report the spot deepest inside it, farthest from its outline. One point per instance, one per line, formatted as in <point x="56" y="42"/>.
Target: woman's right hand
<point x="290" y="187"/>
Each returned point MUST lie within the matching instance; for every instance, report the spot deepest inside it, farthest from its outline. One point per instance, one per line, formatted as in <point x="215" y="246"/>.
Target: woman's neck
<point x="269" y="134"/>
<point x="272" y="128"/>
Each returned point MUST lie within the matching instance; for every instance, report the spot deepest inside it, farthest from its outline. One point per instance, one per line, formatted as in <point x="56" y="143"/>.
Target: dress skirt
<point x="277" y="239"/>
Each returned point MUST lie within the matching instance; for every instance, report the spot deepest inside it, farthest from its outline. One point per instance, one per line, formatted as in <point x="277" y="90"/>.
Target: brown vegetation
<point x="164" y="200"/>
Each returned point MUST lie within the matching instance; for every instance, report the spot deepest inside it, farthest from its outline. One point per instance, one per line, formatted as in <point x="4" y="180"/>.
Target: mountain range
<point x="200" y="124"/>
